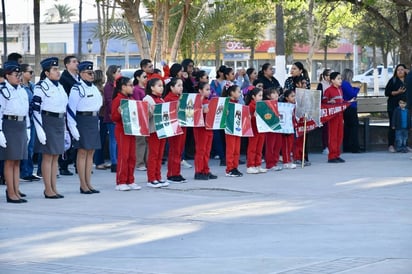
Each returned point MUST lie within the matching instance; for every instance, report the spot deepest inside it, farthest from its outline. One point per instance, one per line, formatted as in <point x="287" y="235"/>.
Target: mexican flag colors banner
<point x="286" y="118"/>
<point x="135" y="117"/>
<point x="191" y="110"/>
<point x="267" y="116"/>
<point x="165" y="119"/>
<point x="216" y="117"/>
<point x="238" y="121"/>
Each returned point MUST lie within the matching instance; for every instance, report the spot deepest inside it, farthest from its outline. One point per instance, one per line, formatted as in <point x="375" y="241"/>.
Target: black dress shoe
<point x="9" y="200"/>
<point x="22" y="194"/>
<point x="23" y="200"/>
<point x="50" y="197"/>
<point x="60" y="196"/>
<point x="94" y="190"/>
<point x="113" y="168"/>
<point x="85" y="192"/>
<point x="66" y="172"/>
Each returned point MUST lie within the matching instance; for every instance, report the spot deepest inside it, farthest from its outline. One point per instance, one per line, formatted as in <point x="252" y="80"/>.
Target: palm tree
<point x="65" y="12"/>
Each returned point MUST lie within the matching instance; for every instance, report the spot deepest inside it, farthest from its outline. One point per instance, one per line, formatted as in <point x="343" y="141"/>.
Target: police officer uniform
<point x="49" y="108"/>
<point x="14" y="118"/>
<point x="85" y="101"/>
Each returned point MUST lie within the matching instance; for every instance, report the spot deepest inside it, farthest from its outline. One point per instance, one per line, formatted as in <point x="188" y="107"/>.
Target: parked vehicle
<point x="384" y="74"/>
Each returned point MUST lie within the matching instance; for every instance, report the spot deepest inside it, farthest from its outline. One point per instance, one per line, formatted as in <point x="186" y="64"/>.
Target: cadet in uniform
<point x="85" y="101"/>
<point x="49" y="108"/>
<point x="14" y="129"/>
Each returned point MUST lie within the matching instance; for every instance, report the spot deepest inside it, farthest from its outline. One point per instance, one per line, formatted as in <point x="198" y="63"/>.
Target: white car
<point x="384" y="74"/>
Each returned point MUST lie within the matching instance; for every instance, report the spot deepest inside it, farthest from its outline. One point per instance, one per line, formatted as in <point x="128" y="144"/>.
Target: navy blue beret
<point x="85" y="65"/>
<point x="11" y="66"/>
<point x="49" y="62"/>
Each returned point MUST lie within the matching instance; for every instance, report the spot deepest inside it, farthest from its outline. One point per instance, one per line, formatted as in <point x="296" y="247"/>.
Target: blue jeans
<point x="401" y="139"/>
<point x="26" y="165"/>
<point x="99" y="153"/>
<point x="112" y="143"/>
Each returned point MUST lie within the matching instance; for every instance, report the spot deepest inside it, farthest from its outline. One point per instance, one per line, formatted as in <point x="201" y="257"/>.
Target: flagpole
<point x="304" y="140"/>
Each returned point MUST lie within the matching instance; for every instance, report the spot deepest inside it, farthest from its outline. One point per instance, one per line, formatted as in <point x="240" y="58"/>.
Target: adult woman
<point x="350" y="115"/>
<point x="83" y="121"/>
<point x="49" y="108"/>
<point x="176" y="70"/>
<point x="324" y="83"/>
<point x="250" y="77"/>
<point x="265" y="75"/>
<point x="394" y="90"/>
<point x="188" y="79"/>
<point x="112" y="73"/>
<point x="98" y="81"/>
<point x="216" y="86"/>
<point x="26" y="165"/>
<point x="14" y="129"/>
<point x="297" y="71"/>
<point x="139" y="83"/>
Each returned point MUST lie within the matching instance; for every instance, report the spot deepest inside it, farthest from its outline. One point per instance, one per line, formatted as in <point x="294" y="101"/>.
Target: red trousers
<point x="287" y="146"/>
<point x="203" y="145"/>
<point x="254" y="149"/>
<point x="273" y="147"/>
<point x="126" y="157"/>
<point x="156" y="148"/>
<point x="176" y="146"/>
<point x="335" y="136"/>
<point x="232" y="152"/>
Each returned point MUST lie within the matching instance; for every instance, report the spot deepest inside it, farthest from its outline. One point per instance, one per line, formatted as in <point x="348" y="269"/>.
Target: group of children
<point x="275" y="144"/>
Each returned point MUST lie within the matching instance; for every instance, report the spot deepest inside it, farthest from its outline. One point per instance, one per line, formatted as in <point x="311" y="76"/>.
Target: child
<point x="273" y="140"/>
<point x="401" y="123"/>
<point x="334" y="95"/>
<point x="174" y="89"/>
<point x="255" y="146"/>
<point x="156" y="146"/>
<point x="203" y="140"/>
<point x="287" y="139"/>
<point x="300" y="82"/>
<point x="232" y="142"/>
<point x="126" y="158"/>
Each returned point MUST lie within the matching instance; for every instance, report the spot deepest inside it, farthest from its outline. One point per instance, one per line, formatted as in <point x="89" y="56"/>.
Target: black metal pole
<point x="3" y="6"/>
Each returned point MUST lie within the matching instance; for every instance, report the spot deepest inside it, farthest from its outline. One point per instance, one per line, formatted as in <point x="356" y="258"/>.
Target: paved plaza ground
<point x="351" y="218"/>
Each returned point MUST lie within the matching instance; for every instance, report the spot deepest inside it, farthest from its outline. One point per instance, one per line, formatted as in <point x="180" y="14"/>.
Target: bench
<point x="370" y="104"/>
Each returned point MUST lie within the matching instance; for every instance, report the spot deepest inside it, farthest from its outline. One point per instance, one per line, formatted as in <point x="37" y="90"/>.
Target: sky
<point x="21" y="11"/>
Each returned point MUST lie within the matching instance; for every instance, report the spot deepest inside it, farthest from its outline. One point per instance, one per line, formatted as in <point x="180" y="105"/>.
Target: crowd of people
<point x="68" y="118"/>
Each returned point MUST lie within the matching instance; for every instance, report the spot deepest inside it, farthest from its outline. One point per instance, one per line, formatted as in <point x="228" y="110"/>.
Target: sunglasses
<point x="30" y="71"/>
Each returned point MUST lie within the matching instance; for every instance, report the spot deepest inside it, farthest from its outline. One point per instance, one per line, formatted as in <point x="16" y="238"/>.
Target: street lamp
<point x="89" y="44"/>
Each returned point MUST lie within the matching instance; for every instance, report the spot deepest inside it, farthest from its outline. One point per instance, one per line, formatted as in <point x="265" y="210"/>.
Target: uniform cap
<point x="49" y="62"/>
<point x="85" y="65"/>
<point x="11" y="66"/>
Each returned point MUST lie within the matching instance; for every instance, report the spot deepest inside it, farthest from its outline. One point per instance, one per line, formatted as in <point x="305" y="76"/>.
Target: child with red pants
<point x="273" y="141"/>
<point x="156" y="146"/>
<point x="288" y="139"/>
<point x="174" y="89"/>
<point x="255" y="143"/>
<point x="126" y="158"/>
<point x="232" y="142"/>
<point x="334" y="95"/>
<point x="203" y="140"/>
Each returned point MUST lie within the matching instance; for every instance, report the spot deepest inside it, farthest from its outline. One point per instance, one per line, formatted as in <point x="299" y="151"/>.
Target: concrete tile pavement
<point x="327" y="218"/>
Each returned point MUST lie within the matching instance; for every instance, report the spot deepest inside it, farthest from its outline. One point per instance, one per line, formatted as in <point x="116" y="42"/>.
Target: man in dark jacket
<point x="68" y="78"/>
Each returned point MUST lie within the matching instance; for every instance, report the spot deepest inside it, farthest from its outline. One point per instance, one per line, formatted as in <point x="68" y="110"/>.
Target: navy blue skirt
<point x="16" y="137"/>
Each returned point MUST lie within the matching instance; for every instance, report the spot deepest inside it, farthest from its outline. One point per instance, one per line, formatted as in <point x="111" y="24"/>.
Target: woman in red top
<point x="126" y="158"/>
<point x="173" y="91"/>
<point x="255" y="145"/>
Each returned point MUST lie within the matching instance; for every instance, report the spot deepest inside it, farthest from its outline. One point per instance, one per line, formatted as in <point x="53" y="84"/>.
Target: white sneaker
<point x="134" y="186"/>
<point x="261" y="169"/>
<point x="325" y="151"/>
<point x="252" y="170"/>
<point x="185" y="164"/>
<point x="289" y="166"/>
<point x="154" y="184"/>
<point x="141" y="168"/>
<point x="123" y="187"/>
<point x="163" y="183"/>
<point x="277" y="168"/>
